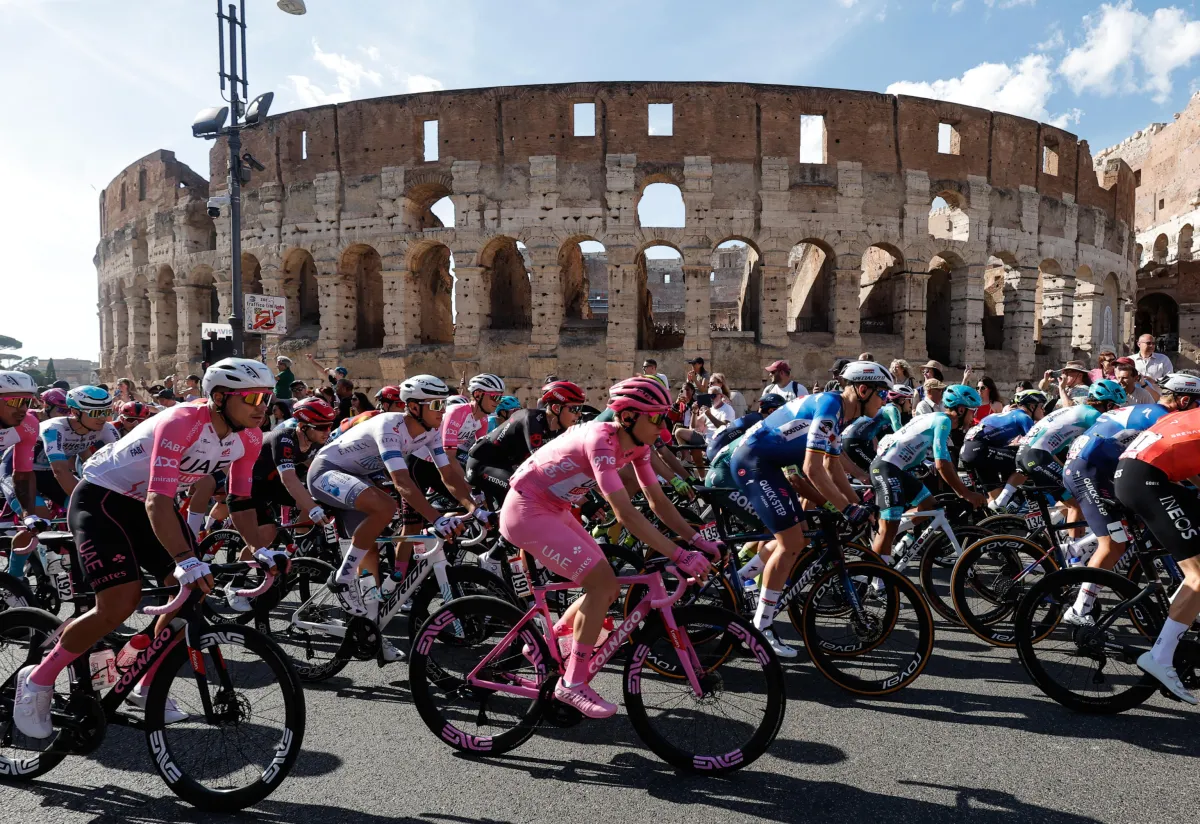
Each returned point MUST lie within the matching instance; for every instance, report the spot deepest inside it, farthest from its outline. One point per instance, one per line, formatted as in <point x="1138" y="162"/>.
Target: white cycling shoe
<point x="1165" y="675"/>
<point x="781" y="649"/>
<point x="171" y="712"/>
<point x="1077" y="619"/>
<point x="236" y="602"/>
<point x="349" y="596"/>
<point x="31" y="709"/>
<point x="389" y="652"/>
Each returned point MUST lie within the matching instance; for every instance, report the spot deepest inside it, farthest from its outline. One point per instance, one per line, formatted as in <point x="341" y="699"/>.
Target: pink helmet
<point x="644" y="395"/>
<point x="54" y="397"/>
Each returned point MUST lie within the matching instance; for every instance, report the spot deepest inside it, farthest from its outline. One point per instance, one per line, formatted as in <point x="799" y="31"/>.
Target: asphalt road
<point x="971" y="740"/>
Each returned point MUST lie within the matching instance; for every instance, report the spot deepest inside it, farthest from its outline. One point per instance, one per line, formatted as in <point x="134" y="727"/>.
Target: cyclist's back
<point x="916" y="439"/>
<point x="782" y="437"/>
<point x="729" y="433"/>
<point x="1001" y="428"/>
<point x="1055" y="432"/>
<point x="494" y="457"/>
<point x="1100" y="447"/>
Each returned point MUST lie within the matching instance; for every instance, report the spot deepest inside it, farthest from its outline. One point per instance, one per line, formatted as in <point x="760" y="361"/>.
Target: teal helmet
<point x="1107" y="390"/>
<point x="958" y="394"/>
<point x="508" y="403"/>
<point x="89" y="399"/>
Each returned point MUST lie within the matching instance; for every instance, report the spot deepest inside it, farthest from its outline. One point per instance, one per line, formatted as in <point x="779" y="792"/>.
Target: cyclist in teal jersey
<point x="896" y="488"/>
<point x="1040" y="450"/>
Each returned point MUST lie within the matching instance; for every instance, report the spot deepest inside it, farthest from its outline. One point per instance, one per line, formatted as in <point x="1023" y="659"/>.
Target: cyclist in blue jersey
<point x="732" y="431"/>
<point x="896" y="488"/>
<point x="989" y="449"/>
<point x="1038" y="455"/>
<point x="858" y="439"/>
<point x="805" y="432"/>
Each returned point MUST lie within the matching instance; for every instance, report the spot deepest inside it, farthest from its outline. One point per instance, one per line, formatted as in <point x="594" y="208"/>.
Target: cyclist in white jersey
<point x="896" y="488"/>
<point x="341" y="476"/>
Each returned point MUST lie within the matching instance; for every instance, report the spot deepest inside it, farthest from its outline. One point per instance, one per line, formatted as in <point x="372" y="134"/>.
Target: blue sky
<point x="92" y="85"/>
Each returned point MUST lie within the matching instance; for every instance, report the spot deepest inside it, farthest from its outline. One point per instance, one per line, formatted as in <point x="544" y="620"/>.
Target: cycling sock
<point x="196" y="522"/>
<point x="348" y="571"/>
<point x="1087" y="595"/>
<point x="1006" y="495"/>
<point x="45" y="673"/>
<point x="577" y="667"/>
<point x="16" y="564"/>
<point x="209" y="523"/>
<point x="764" y="616"/>
<point x="1163" y="650"/>
<point x="752" y="568"/>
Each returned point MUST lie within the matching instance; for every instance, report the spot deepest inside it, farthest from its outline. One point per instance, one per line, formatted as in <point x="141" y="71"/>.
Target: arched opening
<point x="364" y="268"/>
<point x="999" y="291"/>
<point x="1139" y="253"/>
<point x="661" y="205"/>
<point x="251" y="276"/>
<point x="948" y="218"/>
<point x="1160" y="249"/>
<point x="432" y="273"/>
<point x="1158" y="315"/>
<point x="443" y="210"/>
<point x="427" y="205"/>
<point x="1110" y="314"/>
<point x="583" y="274"/>
<point x="165" y="321"/>
<point x="300" y="288"/>
<point x="881" y="290"/>
<point x="810" y="306"/>
<point x="209" y="302"/>
<point x="735" y="288"/>
<point x="1185" y="242"/>
<point x="507" y="280"/>
<point x="946" y="300"/>
<point x="660" y="298"/>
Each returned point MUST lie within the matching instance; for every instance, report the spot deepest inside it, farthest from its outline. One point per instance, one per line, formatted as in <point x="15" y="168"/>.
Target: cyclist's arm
<point x="299" y="492"/>
<point x="667" y="513"/>
<point x="817" y="466"/>
<point x="840" y="478"/>
<point x="407" y="488"/>
<point x="25" y="488"/>
<point x="62" y="474"/>
<point x="456" y="482"/>
<point x="164" y="520"/>
<point x="803" y="488"/>
<point x="849" y="466"/>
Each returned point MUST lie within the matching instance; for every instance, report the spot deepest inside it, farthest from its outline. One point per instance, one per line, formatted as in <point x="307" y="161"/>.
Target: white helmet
<point x="456" y="400"/>
<point x="237" y="373"/>
<point x="423" y="388"/>
<point x="486" y="382"/>
<point x="866" y="372"/>
<point x="17" y="383"/>
<point x="1180" y="383"/>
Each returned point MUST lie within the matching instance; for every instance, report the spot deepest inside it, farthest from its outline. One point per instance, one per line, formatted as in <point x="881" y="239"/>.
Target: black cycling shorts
<point x="1171" y="512"/>
<point x="859" y="451"/>
<point x="1041" y="467"/>
<point x="1090" y="489"/>
<point x="426" y="476"/>
<point x="992" y="464"/>
<point x="492" y="481"/>
<point x="114" y="539"/>
<point x="896" y="489"/>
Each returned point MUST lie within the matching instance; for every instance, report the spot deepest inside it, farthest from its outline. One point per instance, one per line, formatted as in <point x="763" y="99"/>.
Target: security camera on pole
<point x="210" y="124"/>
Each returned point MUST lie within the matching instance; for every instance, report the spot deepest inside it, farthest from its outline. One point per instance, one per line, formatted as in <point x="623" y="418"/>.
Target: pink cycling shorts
<point x="551" y="535"/>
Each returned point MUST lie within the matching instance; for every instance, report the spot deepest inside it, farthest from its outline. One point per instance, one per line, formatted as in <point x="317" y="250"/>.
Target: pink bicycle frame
<point x="656" y="599"/>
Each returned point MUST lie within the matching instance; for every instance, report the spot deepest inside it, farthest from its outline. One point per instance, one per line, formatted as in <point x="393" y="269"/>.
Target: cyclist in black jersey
<point x="732" y="431"/>
<point x="494" y="457"/>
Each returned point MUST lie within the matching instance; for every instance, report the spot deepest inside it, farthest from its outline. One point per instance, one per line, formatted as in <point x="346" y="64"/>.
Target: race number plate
<point x="709" y="532"/>
<point x="1033" y="521"/>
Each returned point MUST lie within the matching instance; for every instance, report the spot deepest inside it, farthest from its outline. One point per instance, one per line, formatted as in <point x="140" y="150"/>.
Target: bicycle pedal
<point x="561" y="715"/>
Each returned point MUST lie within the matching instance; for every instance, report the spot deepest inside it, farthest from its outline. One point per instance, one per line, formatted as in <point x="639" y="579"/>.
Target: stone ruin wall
<point x="847" y="257"/>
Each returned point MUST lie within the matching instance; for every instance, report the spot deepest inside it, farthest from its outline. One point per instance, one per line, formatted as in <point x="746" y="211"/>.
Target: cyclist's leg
<point x="365" y="511"/>
<point x="200" y="502"/>
<point x="895" y="490"/>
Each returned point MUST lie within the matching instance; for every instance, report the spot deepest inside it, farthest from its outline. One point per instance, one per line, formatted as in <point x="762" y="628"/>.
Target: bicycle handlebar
<point x="177" y="602"/>
<point x="672" y="597"/>
<point x="173" y="605"/>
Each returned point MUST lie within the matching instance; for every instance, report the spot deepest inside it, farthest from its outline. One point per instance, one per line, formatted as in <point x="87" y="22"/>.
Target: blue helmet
<point x="958" y="394"/>
<point x="508" y="403"/>
<point x="1107" y="390"/>
<point x="89" y="399"/>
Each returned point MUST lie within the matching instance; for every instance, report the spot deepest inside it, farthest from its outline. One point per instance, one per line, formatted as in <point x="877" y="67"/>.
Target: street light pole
<point x="235" y="165"/>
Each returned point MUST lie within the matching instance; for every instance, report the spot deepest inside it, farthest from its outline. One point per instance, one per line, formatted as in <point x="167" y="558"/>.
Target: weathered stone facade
<point x="841" y="255"/>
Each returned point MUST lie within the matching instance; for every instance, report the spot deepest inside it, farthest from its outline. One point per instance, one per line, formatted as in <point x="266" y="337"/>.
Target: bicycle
<point x="221" y="675"/>
<point x="681" y="663"/>
<point x="1093" y="669"/>
<point x="936" y="545"/>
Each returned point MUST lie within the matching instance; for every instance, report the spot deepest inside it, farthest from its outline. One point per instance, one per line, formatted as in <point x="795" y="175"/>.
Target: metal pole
<point x="235" y="190"/>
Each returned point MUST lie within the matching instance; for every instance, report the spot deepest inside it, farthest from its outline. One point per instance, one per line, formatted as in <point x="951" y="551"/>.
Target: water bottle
<point x="104" y="675"/>
<point x="902" y="550"/>
<point x="750" y="593"/>
<point x="1079" y="552"/>
<point x="129" y="653"/>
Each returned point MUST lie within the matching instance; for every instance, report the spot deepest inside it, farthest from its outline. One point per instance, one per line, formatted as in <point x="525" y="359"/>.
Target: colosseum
<point x="816" y="223"/>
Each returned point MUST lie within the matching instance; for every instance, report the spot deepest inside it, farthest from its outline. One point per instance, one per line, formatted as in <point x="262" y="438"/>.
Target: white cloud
<point x="371" y="52"/>
<point x="420" y="83"/>
<point x="349" y="77"/>
<point x="956" y="6"/>
<point x="1128" y="51"/>
<point x="1023" y="89"/>
<point x="846" y="4"/>
<point x="1053" y="41"/>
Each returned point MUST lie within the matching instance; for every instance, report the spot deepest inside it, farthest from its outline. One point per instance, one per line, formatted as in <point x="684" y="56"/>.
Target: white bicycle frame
<point x="392" y="594"/>
<point x="939" y="524"/>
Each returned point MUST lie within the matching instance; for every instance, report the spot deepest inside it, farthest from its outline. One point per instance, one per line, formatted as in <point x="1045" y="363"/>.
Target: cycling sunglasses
<point x="437" y="405"/>
<point x="574" y="410"/>
<point x="98" y="413"/>
<point x="658" y="419"/>
<point x="19" y="403"/>
<point x="254" y="398"/>
<point x="320" y="427"/>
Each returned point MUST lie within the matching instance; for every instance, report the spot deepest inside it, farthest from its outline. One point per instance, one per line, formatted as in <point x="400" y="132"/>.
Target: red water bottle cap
<point x="139" y="642"/>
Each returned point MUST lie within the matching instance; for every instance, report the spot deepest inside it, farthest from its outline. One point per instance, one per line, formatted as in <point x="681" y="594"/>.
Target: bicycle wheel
<point x="989" y="580"/>
<point x="245" y="725"/>
<point x="294" y="621"/>
<point x="809" y="566"/>
<point x="463" y="581"/>
<point x="1084" y="668"/>
<point x="478" y="720"/>
<point x="222" y="546"/>
<point x="14" y="592"/>
<point x="742" y="704"/>
<point x="874" y="650"/>
<point x="1006" y="524"/>
<point x="23" y="635"/>
<point x="937" y="565"/>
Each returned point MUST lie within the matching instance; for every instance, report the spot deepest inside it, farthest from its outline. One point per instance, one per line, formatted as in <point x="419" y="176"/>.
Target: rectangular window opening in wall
<point x="1050" y="159"/>
<point x="585" y="120"/>
<point x="1162" y="203"/>
<point x="141" y="184"/>
<point x="662" y="119"/>
<point x="666" y="278"/>
<point x="812" y="138"/>
<point x="304" y="145"/>
<point x="1137" y="178"/>
<point x="431" y="141"/>
<point x="949" y="141"/>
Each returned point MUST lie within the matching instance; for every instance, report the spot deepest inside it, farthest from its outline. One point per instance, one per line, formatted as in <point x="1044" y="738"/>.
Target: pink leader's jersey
<point x="178" y="446"/>
<point x="24" y="437"/>
<point x="460" y="428"/>
<point x="562" y="471"/>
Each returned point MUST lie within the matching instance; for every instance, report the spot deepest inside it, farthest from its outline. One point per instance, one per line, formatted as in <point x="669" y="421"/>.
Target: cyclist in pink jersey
<point x="462" y="424"/>
<point x="19" y="427"/>
<point x="123" y="517"/>
<point x="537" y="517"/>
